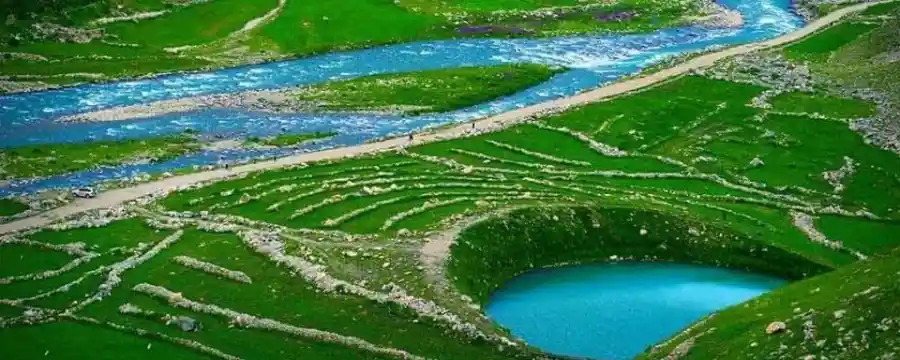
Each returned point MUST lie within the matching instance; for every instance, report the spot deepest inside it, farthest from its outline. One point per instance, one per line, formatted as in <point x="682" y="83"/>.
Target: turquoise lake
<point x="615" y="311"/>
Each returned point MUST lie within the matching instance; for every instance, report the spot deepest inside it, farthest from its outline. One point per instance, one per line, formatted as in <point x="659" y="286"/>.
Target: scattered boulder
<point x="756" y="162"/>
<point x="185" y="323"/>
<point x="776" y="327"/>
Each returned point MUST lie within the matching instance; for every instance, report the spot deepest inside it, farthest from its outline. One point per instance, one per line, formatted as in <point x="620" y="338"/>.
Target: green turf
<point x="107" y="68"/>
<point x="840" y="108"/>
<point x="192" y="25"/>
<point x="10" y="207"/>
<point x="888" y="8"/>
<point x="294" y="139"/>
<point x="46" y="160"/>
<point x="871" y="236"/>
<point x="426" y="91"/>
<point x="128" y="232"/>
<point x="18" y="259"/>
<point x="70" y="340"/>
<point x="819" y="48"/>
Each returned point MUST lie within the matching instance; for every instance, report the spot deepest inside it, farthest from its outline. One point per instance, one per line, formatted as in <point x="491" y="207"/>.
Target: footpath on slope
<point x="119" y="196"/>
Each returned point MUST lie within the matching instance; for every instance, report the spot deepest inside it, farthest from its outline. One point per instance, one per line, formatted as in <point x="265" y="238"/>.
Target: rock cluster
<point x="770" y="70"/>
<point x="51" y="31"/>
<point x="271" y="245"/>
<point x="214" y="269"/>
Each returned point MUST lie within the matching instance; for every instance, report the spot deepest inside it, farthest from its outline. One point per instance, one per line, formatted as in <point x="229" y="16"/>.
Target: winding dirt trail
<point x="119" y="196"/>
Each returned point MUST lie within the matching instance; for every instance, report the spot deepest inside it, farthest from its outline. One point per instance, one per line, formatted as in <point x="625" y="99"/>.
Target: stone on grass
<point x="775" y="327"/>
<point x="185" y="323"/>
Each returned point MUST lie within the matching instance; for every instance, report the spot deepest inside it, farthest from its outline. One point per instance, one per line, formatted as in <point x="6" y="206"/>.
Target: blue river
<point x="616" y="311"/>
<point x="594" y="60"/>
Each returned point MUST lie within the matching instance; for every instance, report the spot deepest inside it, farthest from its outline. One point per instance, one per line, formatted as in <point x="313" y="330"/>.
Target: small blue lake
<point x="616" y="311"/>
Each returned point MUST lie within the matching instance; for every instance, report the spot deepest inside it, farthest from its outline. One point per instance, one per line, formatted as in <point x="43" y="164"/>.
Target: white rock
<point x="775" y="327"/>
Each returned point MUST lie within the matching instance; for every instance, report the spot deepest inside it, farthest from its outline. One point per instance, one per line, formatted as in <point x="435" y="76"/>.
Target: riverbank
<point x="46" y="160"/>
<point x="403" y="94"/>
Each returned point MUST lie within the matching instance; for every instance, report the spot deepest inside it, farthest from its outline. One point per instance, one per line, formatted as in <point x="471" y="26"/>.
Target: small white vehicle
<point x="84" y="192"/>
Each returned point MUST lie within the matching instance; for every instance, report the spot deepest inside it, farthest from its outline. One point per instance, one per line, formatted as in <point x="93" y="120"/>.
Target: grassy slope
<point x="22" y="260"/>
<point x="427" y="91"/>
<point x="839" y="108"/>
<point x="683" y="128"/>
<point x="188" y="25"/>
<point x="852" y="311"/>
<point x="849" y="313"/>
<point x="48" y="160"/>
<point x="820" y="47"/>
<point x="193" y="25"/>
<point x="66" y="340"/>
<point x="864" y="62"/>
<point x="890" y="8"/>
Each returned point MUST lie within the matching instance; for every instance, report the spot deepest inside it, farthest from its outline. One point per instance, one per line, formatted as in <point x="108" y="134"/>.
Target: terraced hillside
<point x="768" y="162"/>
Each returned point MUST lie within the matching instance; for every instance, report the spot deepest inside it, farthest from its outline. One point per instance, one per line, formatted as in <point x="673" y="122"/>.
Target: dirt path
<point x="120" y="196"/>
<point x="265" y="19"/>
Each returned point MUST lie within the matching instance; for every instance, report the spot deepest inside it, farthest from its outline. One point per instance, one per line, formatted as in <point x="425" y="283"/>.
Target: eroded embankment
<point x="493" y="251"/>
